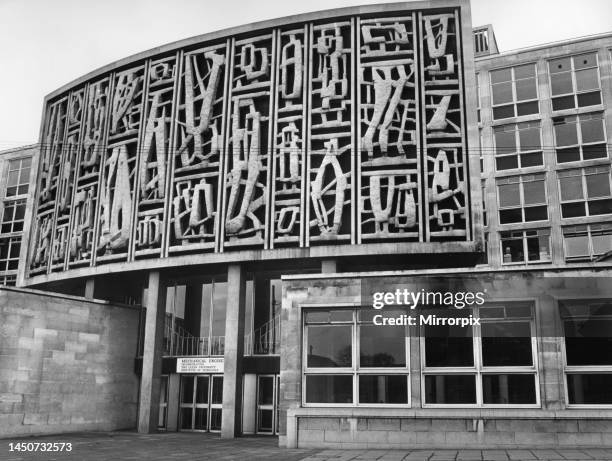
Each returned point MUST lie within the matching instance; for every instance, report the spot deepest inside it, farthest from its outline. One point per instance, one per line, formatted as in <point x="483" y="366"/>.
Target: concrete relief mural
<point x="308" y="134"/>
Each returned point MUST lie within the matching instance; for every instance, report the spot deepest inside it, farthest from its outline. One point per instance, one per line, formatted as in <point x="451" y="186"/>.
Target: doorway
<point x="267" y="404"/>
<point x="201" y="398"/>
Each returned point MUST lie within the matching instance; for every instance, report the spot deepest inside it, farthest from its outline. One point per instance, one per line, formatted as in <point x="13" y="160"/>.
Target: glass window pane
<point x="528" y="70"/>
<point x="569" y="154"/>
<point x="450" y="389"/>
<point x="571" y="188"/>
<point x="589" y="99"/>
<point x="527" y="108"/>
<point x="598" y="185"/>
<point x="329" y="389"/>
<point x="594" y="151"/>
<point x="509" y="195"/>
<point x="587" y="79"/>
<point x="585" y="60"/>
<point x="505" y="142"/>
<point x="510" y="216"/>
<point x="564" y="102"/>
<point x="589" y="389"/>
<point x="502" y="93"/>
<point x="508" y="389"/>
<point x="526" y="89"/>
<point x="592" y="130"/>
<point x="576" y="245"/>
<point x="202" y="389"/>
<point x="560" y="65"/>
<point x="506" y="344"/>
<point x="597" y="207"/>
<point x="186" y="415"/>
<point x="266" y="390"/>
<point x="503" y="112"/>
<point x="219" y="308"/>
<point x="531" y="159"/>
<point x="537" y="248"/>
<point x="215" y="419"/>
<point x="448" y="346"/>
<point x="529" y="138"/>
<point x="507" y="162"/>
<point x="187" y="389"/>
<point x="602" y="243"/>
<point x="566" y="134"/>
<point x="588" y="341"/>
<point x="501" y="75"/>
<point x="382" y="346"/>
<point x="536" y="213"/>
<point x="534" y="192"/>
<point x="217" y="390"/>
<point x="513" y="250"/>
<point x="391" y="389"/>
<point x="201" y="419"/>
<point x="329" y="345"/>
<point x="561" y="83"/>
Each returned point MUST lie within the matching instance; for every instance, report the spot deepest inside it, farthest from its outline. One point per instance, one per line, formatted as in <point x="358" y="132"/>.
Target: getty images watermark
<point x="416" y="299"/>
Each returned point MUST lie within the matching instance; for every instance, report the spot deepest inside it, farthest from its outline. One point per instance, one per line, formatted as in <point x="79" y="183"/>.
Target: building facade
<point x="253" y="189"/>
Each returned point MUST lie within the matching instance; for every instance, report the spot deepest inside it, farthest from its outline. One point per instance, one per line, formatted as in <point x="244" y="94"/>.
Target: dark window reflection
<point x="382" y="346"/>
<point x="508" y="389"/>
<point x="451" y="389"/>
<point x="329" y="346"/>
<point x="506" y="344"/>
<point x="329" y="389"/>
<point x="589" y="389"/>
<point x="448" y="346"/>
<point x="383" y="389"/>
<point x="588" y="342"/>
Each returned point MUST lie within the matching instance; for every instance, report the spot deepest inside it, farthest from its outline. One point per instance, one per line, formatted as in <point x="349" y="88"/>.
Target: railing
<point x="265" y="340"/>
<point x="180" y="342"/>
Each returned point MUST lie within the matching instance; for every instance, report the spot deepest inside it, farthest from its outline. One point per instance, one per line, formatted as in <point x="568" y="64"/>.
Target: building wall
<point x="547" y="116"/>
<point x="16" y="174"/>
<point x="66" y="364"/>
<point x="552" y="420"/>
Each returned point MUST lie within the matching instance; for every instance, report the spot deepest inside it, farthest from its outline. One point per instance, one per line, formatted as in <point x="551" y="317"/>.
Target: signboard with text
<point x="199" y="365"/>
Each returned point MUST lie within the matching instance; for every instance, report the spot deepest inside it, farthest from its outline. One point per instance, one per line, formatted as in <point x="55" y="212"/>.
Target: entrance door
<point x="200" y="402"/>
<point x="267" y="415"/>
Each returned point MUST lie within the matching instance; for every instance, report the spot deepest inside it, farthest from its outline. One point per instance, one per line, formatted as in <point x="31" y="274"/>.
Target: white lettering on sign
<point x="199" y="365"/>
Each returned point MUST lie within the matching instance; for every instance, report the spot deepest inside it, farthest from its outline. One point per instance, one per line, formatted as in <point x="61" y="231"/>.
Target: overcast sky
<point x="45" y="44"/>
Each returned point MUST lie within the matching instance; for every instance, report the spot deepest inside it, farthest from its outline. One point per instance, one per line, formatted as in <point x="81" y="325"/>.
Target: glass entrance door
<point x="200" y="402"/>
<point x="267" y="414"/>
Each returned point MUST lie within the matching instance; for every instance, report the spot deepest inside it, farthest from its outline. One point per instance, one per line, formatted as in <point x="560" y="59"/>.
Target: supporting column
<point x="174" y="381"/>
<point x="329" y="266"/>
<point x="152" y="355"/>
<point x="89" y="288"/>
<point x="234" y="351"/>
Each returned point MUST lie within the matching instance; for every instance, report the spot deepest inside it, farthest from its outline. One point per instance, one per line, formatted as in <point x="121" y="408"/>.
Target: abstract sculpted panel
<point x="342" y="131"/>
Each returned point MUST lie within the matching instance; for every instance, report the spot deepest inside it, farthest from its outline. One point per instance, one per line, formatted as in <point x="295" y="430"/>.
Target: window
<point x="492" y="364"/>
<point x="574" y="81"/>
<point x="518" y="146"/>
<point x="528" y="246"/>
<point x="585" y="192"/>
<point x="483" y="185"/>
<point x="13" y="216"/>
<point x="587" y="242"/>
<point x="478" y="97"/>
<point x="514" y="91"/>
<point x="522" y="199"/>
<point x="580" y="138"/>
<point x="9" y="253"/>
<point x="588" y="351"/>
<point x="18" y="177"/>
<point x="348" y="360"/>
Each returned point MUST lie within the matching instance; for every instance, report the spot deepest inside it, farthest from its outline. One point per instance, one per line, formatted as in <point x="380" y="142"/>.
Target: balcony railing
<point x="265" y="340"/>
<point x="180" y="342"/>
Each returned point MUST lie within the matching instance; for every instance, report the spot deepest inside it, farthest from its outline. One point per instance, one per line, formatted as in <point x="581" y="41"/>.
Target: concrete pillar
<point x="329" y="266"/>
<point x="174" y="382"/>
<point x="550" y="338"/>
<point x="89" y="288"/>
<point x="234" y="351"/>
<point x="152" y="355"/>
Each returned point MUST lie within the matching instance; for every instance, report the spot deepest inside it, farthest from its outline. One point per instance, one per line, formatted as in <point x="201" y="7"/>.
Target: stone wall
<point x="452" y="433"/>
<point x="66" y="364"/>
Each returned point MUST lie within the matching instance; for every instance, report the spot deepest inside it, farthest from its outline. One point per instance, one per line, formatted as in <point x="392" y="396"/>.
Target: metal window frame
<point x="585" y="198"/>
<point x="524" y="238"/>
<point x="579" y="139"/>
<point x="521" y="183"/>
<point x="575" y="92"/>
<point x="515" y="101"/>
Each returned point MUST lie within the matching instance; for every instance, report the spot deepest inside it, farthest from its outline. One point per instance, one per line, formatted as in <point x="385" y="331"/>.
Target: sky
<point x="45" y="44"/>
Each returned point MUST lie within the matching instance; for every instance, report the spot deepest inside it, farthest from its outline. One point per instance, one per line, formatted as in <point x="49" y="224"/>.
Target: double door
<point x="200" y="403"/>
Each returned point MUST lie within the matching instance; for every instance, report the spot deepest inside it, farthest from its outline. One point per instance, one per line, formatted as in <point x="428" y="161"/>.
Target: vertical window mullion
<point x="356" y="354"/>
<point x="477" y="345"/>
<point x="514" y="98"/>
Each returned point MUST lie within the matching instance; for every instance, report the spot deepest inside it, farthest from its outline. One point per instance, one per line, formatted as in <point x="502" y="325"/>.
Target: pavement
<point x="97" y="446"/>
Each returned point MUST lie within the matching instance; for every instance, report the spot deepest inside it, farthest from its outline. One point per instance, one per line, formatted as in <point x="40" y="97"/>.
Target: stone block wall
<point x="452" y="433"/>
<point x="66" y="364"/>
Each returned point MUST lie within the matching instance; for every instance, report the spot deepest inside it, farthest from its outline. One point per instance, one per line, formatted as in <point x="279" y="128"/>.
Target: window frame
<point x="580" y="369"/>
<point x="355" y="371"/>
<point x="580" y="144"/>
<point x="524" y="238"/>
<point x="518" y="153"/>
<point x="515" y="101"/>
<point x="584" y="172"/>
<point x="589" y="231"/>
<point x="572" y="71"/>
<point x="478" y="369"/>
<point x="500" y="181"/>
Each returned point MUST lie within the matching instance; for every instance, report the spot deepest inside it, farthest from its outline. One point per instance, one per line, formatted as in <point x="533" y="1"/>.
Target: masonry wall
<point x="66" y="364"/>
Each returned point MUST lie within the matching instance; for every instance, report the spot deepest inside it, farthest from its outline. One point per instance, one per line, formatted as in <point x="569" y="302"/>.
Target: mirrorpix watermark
<point x="404" y="298"/>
